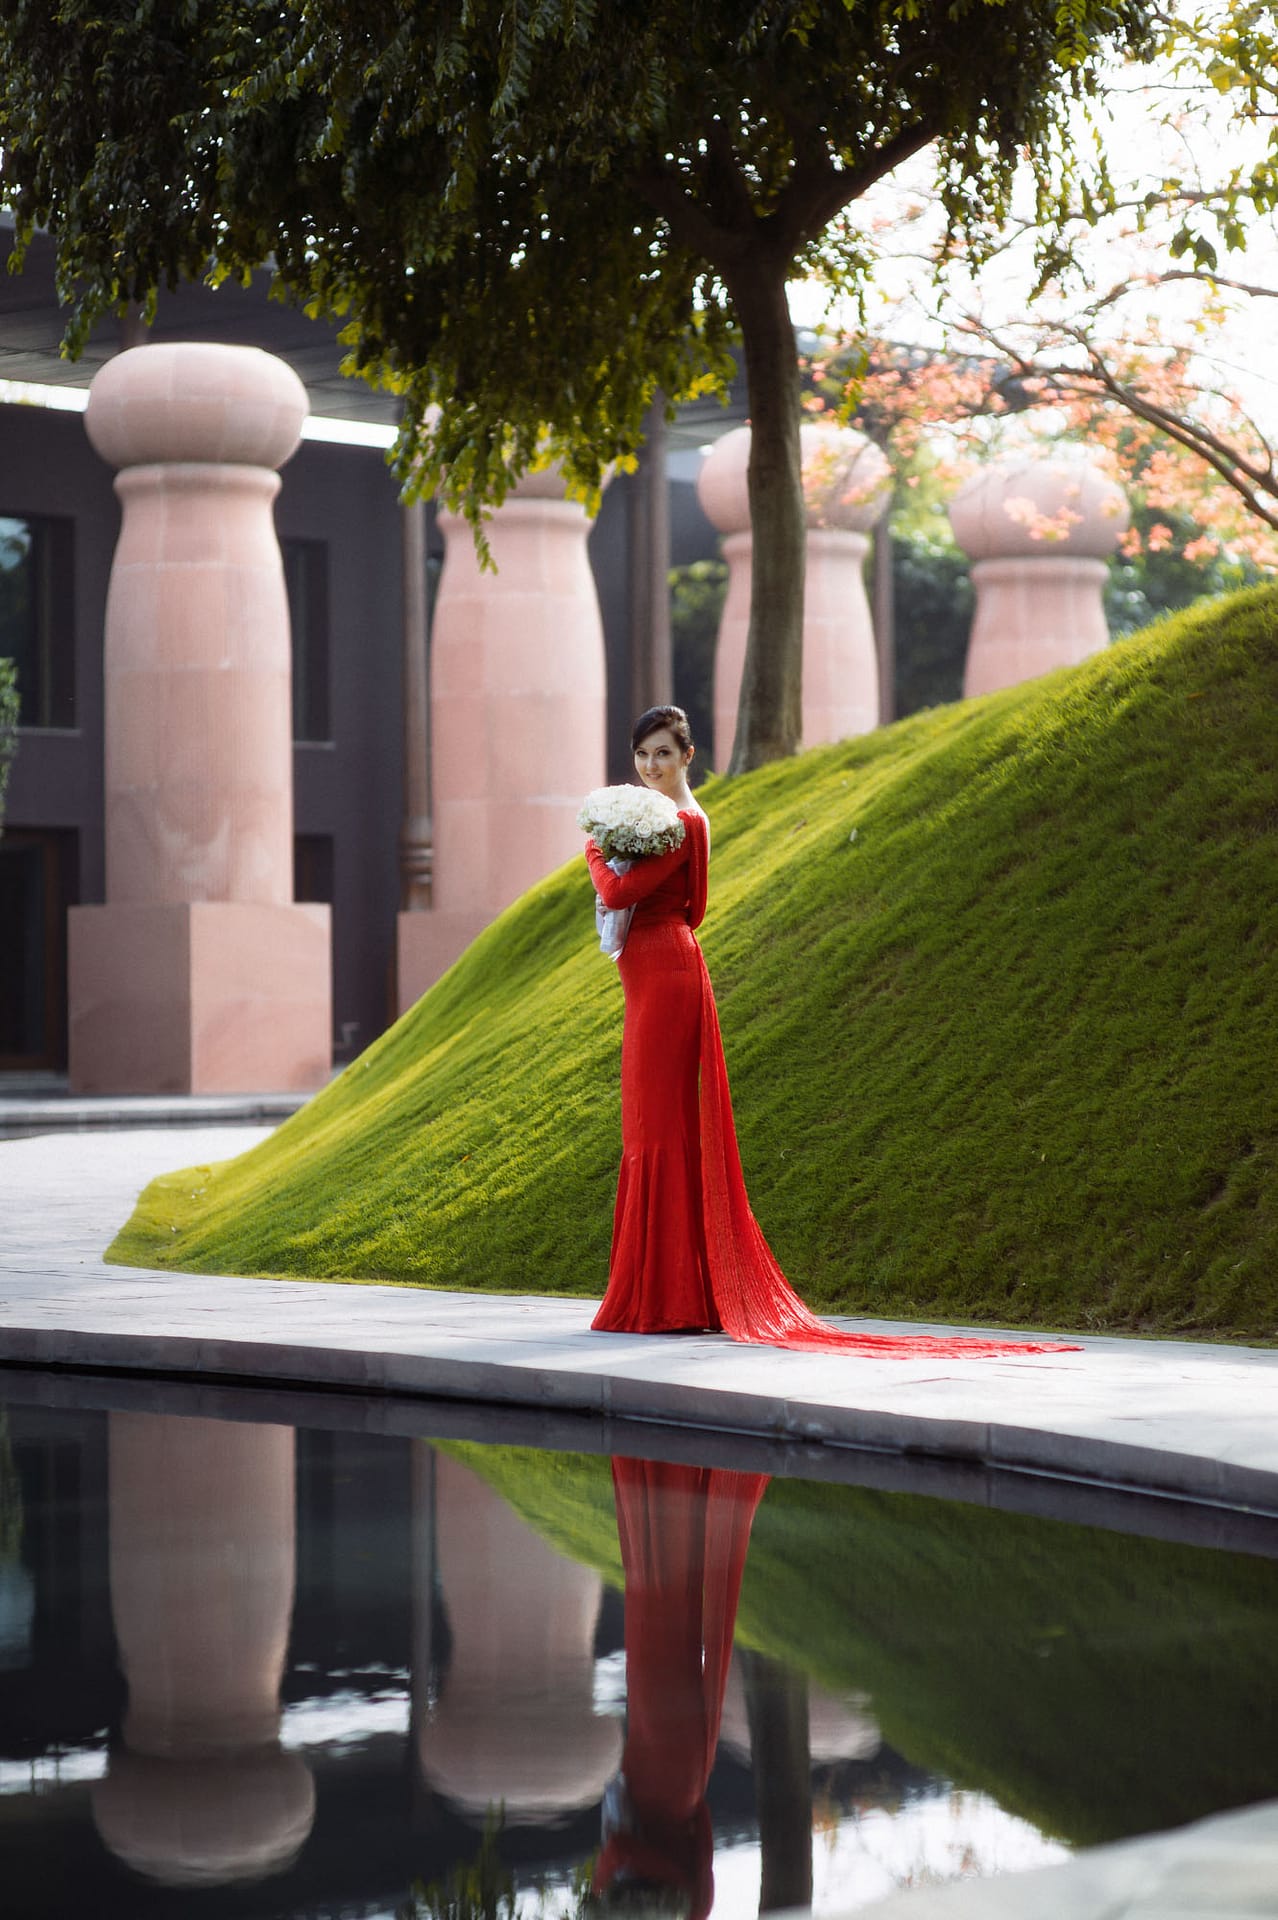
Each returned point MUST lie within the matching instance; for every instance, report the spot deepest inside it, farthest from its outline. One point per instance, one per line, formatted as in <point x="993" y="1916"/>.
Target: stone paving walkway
<point x="1191" y="1420"/>
<point x="1181" y="1419"/>
<point x="1220" y="1869"/>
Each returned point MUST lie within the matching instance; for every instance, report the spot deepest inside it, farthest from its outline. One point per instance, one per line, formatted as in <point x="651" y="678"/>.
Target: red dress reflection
<point x="684" y="1533"/>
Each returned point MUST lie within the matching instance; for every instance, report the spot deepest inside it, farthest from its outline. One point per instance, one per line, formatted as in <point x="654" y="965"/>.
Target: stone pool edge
<point x="1011" y="1445"/>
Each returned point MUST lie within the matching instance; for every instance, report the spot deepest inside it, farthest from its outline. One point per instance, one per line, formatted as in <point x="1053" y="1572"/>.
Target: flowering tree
<point x="940" y="413"/>
<point x="939" y="416"/>
<point x="1119" y="321"/>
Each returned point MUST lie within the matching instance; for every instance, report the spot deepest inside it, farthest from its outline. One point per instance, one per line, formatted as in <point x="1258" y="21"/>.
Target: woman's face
<point x="661" y="762"/>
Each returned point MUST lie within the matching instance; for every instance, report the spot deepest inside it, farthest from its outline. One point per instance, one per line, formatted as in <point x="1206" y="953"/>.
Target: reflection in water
<point x="202" y="1555"/>
<point x="455" y="1640"/>
<point x="17" y="1589"/>
<point x="684" y="1533"/>
<point x="515" y="1723"/>
<point x="840" y="1727"/>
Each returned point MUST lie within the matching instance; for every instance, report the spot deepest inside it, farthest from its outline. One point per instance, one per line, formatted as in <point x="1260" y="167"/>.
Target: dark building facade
<point x="340" y="529"/>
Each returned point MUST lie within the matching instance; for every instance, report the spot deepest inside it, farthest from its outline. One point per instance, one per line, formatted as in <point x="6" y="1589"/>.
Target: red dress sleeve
<point x="646" y="875"/>
<point x="698" y="845"/>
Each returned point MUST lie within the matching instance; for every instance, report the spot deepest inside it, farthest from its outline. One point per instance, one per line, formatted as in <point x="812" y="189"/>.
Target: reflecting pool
<point x="255" y="1668"/>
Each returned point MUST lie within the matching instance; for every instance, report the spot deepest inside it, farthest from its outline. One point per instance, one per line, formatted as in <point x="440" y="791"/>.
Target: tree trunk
<point x="769" y="717"/>
<point x="651" y="651"/>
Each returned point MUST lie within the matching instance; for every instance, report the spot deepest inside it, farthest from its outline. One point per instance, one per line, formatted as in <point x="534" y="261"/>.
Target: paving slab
<point x="28" y="1111"/>
<point x="1189" y="1420"/>
<point x="1225" y="1868"/>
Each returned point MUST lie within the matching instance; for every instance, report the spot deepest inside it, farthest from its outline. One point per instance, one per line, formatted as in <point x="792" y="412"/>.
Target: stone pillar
<point x="201" y="1516"/>
<point x="845" y="481"/>
<point x="517" y="718"/>
<point x="199" y="974"/>
<point x="840" y="1727"/>
<point x="1038" y="532"/>
<point x="514" y="1725"/>
<point x="721" y="489"/>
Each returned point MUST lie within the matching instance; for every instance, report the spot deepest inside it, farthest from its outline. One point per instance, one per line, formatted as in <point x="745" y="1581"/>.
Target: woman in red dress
<point x="687" y="1252"/>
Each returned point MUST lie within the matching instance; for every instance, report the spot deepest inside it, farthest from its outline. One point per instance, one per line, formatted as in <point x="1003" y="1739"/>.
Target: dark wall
<point x="48" y="467"/>
<point x="692" y="537"/>
<point x="350" y="787"/>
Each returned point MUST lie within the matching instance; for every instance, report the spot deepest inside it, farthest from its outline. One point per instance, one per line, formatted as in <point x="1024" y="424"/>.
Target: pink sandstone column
<point x="199" y="974"/>
<point x="201" y="1517"/>
<point x="840" y="1726"/>
<point x="845" y="483"/>
<point x="514" y="1724"/>
<point x="1038" y="532"/>
<point x="517" y="698"/>
<point x="721" y="489"/>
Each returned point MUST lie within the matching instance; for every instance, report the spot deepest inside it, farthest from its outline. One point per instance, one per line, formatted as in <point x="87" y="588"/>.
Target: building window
<point x="313" y="867"/>
<point x="306" y="577"/>
<point x="37" y="616"/>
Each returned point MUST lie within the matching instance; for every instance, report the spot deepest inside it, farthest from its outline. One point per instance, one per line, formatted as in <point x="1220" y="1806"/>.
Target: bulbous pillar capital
<point x="722" y="484"/>
<point x="1035" y="508"/>
<point x="846" y="478"/>
<point x="1038" y="531"/>
<point x="196" y="401"/>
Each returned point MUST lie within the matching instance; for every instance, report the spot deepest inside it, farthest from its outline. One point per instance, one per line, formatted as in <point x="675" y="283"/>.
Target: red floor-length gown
<point x="684" y="1532"/>
<point x="686" y="1250"/>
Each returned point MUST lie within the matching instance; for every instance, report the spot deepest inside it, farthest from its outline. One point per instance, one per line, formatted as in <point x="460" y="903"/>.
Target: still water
<point x="256" y="1669"/>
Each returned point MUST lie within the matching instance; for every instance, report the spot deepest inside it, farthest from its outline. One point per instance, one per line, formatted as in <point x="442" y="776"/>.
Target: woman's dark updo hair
<point x="673" y="717"/>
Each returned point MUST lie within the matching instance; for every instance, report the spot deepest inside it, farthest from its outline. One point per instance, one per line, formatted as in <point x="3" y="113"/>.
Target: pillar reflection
<point x="513" y="1722"/>
<point x="202" y="1557"/>
<point x="840" y="1726"/>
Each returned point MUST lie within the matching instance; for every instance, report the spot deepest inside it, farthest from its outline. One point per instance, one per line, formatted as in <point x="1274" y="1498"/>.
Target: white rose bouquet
<point x="629" y="822"/>
<point x="626" y="824"/>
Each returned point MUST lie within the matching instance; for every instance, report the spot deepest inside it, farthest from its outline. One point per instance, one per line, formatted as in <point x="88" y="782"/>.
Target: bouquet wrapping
<point x="626" y="824"/>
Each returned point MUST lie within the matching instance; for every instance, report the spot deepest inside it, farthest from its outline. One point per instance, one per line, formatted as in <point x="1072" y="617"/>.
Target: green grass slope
<point x="1000" y="1006"/>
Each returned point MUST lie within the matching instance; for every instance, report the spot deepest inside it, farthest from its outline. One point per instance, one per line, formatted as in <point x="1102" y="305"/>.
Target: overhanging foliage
<point x="533" y="217"/>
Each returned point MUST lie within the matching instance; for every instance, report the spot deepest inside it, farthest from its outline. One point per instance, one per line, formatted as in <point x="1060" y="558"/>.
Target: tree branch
<point x="726" y="187"/>
<point x="1250" y="479"/>
<point x="690" y="224"/>
<point x="817" y="189"/>
<point x="1203" y="278"/>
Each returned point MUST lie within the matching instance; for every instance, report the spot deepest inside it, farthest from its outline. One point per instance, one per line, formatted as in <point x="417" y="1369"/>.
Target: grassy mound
<point x="1000" y="1007"/>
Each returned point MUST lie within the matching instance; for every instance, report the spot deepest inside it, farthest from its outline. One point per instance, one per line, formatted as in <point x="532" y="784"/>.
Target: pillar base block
<point x="426" y="944"/>
<point x="199" y="997"/>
